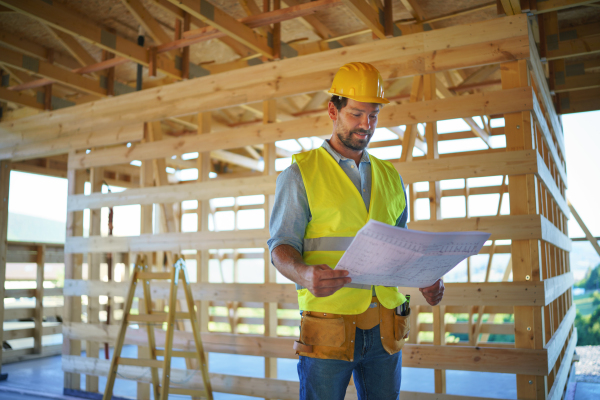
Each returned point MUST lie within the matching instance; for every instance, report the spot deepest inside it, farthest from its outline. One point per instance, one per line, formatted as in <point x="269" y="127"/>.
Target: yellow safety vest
<point x="338" y="212"/>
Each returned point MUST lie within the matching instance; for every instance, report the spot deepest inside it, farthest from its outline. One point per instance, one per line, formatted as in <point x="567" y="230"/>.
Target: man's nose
<point x="365" y="122"/>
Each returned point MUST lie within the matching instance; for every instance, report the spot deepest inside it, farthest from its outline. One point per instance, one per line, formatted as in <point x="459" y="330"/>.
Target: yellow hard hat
<point x="359" y="81"/>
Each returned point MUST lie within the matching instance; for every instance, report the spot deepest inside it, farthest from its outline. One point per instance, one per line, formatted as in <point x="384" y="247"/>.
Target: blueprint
<point x="382" y="254"/>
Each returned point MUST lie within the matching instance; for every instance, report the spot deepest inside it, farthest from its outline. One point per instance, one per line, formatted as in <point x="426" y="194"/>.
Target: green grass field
<point x="584" y="303"/>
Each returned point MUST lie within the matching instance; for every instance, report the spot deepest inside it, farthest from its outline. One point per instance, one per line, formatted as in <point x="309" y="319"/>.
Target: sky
<point x="46" y="197"/>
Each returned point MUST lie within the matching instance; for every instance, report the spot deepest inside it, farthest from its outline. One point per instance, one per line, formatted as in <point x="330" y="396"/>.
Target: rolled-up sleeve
<point x="291" y="212"/>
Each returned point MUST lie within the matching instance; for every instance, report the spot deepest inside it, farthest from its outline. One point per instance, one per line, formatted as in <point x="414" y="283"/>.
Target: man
<point x="321" y="202"/>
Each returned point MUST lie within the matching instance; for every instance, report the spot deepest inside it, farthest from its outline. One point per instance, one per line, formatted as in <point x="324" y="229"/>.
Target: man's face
<point x="355" y="123"/>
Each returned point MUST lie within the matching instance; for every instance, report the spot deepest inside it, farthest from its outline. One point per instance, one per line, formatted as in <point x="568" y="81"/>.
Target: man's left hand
<point x="434" y="293"/>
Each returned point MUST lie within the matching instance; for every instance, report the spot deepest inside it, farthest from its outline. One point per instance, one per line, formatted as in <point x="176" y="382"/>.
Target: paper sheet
<point x="382" y="254"/>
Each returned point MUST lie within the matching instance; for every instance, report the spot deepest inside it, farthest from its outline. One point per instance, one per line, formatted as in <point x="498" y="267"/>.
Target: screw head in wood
<point x="531" y="382"/>
<point x="528" y="328"/>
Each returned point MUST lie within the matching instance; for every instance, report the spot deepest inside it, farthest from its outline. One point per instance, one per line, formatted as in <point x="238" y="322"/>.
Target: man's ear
<point x="332" y="111"/>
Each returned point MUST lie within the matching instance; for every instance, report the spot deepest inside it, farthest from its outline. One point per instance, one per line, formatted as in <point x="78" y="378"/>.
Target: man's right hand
<point x="323" y="281"/>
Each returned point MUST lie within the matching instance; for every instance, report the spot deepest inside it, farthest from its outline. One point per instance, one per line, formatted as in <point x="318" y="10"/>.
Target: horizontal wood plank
<point x="514" y="227"/>
<point x="558" y="342"/>
<point x="502" y="163"/>
<point x="456" y="294"/>
<point x="251" y="238"/>
<point x="176" y="193"/>
<point x="556" y="286"/>
<point x="485" y="294"/>
<point x="500" y="102"/>
<point x="267" y="292"/>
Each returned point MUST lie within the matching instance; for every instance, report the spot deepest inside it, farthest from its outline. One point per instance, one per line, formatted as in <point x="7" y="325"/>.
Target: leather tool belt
<point x="331" y="336"/>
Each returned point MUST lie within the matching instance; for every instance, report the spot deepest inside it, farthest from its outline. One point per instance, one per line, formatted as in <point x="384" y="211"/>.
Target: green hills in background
<point x="27" y="228"/>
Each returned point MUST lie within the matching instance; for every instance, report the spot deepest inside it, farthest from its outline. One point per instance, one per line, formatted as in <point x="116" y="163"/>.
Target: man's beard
<point x="355" y="143"/>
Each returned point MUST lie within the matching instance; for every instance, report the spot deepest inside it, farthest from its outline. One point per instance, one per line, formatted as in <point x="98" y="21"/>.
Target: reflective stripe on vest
<point x="327" y="243"/>
<point x="332" y="244"/>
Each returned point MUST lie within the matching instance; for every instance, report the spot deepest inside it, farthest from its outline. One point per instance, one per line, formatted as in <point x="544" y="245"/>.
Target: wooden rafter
<point x="217" y="18"/>
<point x="31" y="49"/>
<point x="51" y="72"/>
<point x="60" y="17"/>
<point x="367" y="14"/>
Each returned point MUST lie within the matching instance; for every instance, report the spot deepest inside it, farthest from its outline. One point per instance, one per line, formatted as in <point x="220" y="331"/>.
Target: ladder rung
<point x="182" y="315"/>
<point x="179" y="353"/>
<point x="141" y="362"/>
<point x="188" y="392"/>
<point x="148" y="318"/>
<point x="178" y="314"/>
<point x="154" y="275"/>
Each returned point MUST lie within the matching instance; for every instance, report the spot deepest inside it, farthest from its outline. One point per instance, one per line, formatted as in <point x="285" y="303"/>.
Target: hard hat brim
<point x="362" y="99"/>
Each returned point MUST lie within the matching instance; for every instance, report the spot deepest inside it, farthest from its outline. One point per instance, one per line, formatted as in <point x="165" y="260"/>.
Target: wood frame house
<point x="126" y="92"/>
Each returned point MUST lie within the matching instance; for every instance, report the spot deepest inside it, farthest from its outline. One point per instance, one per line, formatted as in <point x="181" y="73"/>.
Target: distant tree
<point x="588" y="329"/>
<point x="596" y="297"/>
<point x="591" y="280"/>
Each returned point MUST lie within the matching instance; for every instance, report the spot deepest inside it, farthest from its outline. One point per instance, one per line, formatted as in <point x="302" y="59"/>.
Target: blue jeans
<point x="377" y="374"/>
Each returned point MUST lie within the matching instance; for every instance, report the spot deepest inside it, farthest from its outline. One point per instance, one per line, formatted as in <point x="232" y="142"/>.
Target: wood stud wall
<point x="539" y="294"/>
<point x="39" y="254"/>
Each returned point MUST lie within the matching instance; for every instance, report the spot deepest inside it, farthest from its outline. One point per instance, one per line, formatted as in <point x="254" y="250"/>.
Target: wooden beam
<point x="452" y="14"/>
<point x="558" y="388"/>
<point x="457" y="294"/>
<point x="50" y="71"/>
<point x="514" y="227"/>
<point x="433" y="110"/>
<point x="308" y="74"/>
<point x="20" y="99"/>
<point x="479" y="132"/>
<point x="511" y="7"/>
<point x="585" y="229"/>
<point x="366" y="13"/>
<point x="557" y="5"/>
<point x="177" y="193"/>
<point x="523" y="162"/>
<point x="285" y="14"/>
<point x="579" y="101"/>
<point x="217" y="18"/>
<point x="147" y="21"/>
<point x="169" y="242"/>
<point x="5" y="167"/>
<point x="62" y="18"/>
<point x="73" y="47"/>
<point x="572" y="42"/>
<point x="59" y="144"/>
<point x="32" y="49"/>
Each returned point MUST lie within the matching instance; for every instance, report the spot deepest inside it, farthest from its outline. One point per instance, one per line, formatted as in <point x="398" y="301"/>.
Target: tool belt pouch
<point x="327" y="336"/>
<point x="393" y="329"/>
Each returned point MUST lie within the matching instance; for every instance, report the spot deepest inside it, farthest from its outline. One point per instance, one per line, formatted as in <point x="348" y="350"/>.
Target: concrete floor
<point x="43" y="378"/>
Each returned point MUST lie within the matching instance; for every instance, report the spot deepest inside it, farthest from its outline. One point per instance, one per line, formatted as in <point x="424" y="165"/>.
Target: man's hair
<point x="339" y="102"/>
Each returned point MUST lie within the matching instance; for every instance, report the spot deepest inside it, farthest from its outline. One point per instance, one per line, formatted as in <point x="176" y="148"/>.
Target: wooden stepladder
<point x="150" y="318"/>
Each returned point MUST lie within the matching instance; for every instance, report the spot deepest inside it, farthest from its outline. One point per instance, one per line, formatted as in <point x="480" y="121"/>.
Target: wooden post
<point x="48" y="88"/>
<point x="435" y="213"/>
<point x="529" y="329"/>
<point x="146" y="180"/>
<point x="276" y="33"/>
<point x="269" y="156"/>
<point x="93" y="259"/>
<point x="73" y="266"/>
<point x="4" y="189"/>
<point x="202" y="257"/>
<point x="38" y="330"/>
